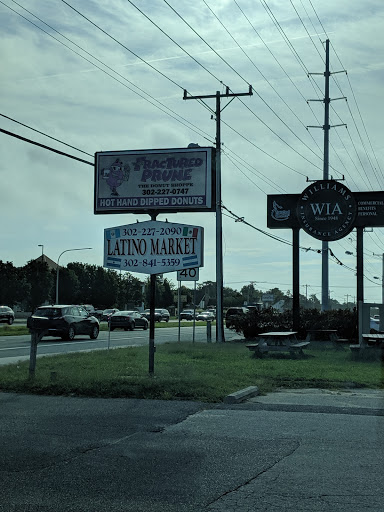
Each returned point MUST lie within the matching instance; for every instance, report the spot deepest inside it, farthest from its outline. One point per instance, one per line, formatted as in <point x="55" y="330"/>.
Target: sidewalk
<point x="364" y="399"/>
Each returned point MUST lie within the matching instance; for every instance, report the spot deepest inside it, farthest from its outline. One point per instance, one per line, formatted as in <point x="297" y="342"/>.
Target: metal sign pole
<point x="152" y="348"/>
<point x="178" y="310"/>
<point x="194" y="313"/>
<point x="152" y="305"/>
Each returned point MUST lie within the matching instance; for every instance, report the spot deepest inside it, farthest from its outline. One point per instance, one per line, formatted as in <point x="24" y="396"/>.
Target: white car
<point x="206" y="316"/>
<point x="374" y="323"/>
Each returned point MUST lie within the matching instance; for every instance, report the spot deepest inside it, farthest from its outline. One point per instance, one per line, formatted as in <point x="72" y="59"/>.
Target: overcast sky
<point x="101" y="76"/>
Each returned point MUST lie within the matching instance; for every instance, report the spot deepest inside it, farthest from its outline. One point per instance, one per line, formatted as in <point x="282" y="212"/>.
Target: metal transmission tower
<point x="326" y="127"/>
<point x="219" y="239"/>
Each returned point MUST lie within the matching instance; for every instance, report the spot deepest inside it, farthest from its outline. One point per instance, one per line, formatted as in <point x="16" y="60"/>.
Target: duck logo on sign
<point x="327" y="210"/>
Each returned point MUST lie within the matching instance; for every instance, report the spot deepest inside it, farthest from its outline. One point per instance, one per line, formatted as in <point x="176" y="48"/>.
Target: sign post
<point x="189" y="274"/>
<point x="153" y="247"/>
<point x="326" y="210"/>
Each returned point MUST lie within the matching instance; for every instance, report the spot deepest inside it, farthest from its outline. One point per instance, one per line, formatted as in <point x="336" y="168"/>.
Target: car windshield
<point x="49" y="312"/>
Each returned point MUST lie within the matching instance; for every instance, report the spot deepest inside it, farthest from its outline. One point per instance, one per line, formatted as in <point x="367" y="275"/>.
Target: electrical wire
<point x="24" y="139"/>
<point x="45" y="134"/>
<point x="141" y="92"/>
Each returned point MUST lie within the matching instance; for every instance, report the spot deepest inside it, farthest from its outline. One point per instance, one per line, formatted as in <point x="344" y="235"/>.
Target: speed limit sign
<point x="188" y="274"/>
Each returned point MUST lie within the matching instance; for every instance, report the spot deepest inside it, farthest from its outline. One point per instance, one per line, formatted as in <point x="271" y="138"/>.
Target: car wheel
<point x="132" y="326"/>
<point x="145" y="326"/>
<point x="94" y="333"/>
<point x="10" y="320"/>
<point x="167" y="319"/>
<point x="71" y="333"/>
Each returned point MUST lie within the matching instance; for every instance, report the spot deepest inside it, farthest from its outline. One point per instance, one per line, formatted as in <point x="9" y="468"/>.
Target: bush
<point x="256" y="322"/>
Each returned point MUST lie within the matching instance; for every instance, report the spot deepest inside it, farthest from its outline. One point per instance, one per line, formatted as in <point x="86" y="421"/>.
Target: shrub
<point x="256" y="322"/>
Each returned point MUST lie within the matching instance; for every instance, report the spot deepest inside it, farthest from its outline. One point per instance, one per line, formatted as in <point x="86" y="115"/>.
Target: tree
<point x="40" y="281"/>
<point x="69" y="287"/>
<point x="250" y="294"/>
<point x="231" y="297"/>
<point x="129" y="291"/>
<point x="13" y="285"/>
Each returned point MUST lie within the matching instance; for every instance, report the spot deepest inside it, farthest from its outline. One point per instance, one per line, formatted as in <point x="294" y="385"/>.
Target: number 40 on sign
<point x="188" y="274"/>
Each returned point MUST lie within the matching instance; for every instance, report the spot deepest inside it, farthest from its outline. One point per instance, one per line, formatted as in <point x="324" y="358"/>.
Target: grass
<point x="19" y="330"/>
<point x="188" y="371"/>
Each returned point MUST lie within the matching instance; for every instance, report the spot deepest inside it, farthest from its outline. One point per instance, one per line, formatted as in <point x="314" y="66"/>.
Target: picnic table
<point x="369" y="341"/>
<point x="285" y="341"/>
<point x="326" y="335"/>
<point x="322" y="334"/>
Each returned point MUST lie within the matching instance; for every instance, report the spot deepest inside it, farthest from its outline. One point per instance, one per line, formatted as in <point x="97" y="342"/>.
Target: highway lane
<point x="14" y="348"/>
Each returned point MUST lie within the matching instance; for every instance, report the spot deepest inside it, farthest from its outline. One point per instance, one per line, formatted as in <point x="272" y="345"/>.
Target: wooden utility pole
<point x="219" y="239"/>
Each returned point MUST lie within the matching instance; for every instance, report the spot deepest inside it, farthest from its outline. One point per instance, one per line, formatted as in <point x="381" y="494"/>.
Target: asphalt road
<point x="62" y="454"/>
<point x="14" y="348"/>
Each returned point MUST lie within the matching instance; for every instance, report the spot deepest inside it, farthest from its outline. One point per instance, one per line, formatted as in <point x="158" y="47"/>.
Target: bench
<point x="322" y="335"/>
<point x="369" y="341"/>
<point x="277" y="342"/>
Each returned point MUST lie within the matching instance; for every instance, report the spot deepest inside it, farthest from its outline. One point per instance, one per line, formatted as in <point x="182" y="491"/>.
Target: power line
<point x="194" y="128"/>
<point x="45" y="135"/>
<point x="45" y="147"/>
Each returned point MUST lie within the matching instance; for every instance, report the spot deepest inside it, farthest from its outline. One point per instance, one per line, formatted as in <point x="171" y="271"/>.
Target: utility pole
<point x="382" y="277"/>
<point x="219" y="230"/>
<point x="326" y="127"/>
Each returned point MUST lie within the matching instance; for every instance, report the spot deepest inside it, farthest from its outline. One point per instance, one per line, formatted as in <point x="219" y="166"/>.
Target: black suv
<point x="233" y="313"/>
<point x="64" y="321"/>
<point x="7" y="315"/>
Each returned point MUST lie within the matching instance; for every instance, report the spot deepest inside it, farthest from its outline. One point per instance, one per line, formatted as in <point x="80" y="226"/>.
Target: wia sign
<point x="326" y="210"/>
<point x="326" y="203"/>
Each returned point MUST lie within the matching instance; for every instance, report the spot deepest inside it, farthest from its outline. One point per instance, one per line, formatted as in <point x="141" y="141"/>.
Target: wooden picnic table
<point x="368" y="340"/>
<point x="277" y="341"/>
<point x="326" y="335"/>
<point x="322" y="334"/>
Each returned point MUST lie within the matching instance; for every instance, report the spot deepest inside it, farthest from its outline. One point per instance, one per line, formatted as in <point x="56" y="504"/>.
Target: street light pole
<point x="57" y="268"/>
<point x="42" y="252"/>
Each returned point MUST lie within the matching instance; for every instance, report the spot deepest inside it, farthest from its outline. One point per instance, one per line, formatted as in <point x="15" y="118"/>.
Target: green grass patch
<point x="188" y="371"/>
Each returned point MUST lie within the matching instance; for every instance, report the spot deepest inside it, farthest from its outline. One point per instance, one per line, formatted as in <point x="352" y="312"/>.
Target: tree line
<point x="34" y="284"/>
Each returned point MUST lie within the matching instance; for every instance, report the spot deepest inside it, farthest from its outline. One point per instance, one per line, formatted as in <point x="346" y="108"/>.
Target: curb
<point x="240" y="396"/>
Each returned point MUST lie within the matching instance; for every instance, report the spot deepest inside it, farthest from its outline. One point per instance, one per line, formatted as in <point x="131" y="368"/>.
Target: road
<point x="14" y="348"/>
<point x="67" y="454"/>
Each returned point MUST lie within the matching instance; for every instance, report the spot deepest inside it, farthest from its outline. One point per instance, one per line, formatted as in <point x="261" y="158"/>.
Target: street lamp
<point x="57" y="268"/>
<point x="42" y="252"/>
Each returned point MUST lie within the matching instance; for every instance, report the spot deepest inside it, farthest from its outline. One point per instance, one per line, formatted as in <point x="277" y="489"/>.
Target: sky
<point x="110" y="75"/>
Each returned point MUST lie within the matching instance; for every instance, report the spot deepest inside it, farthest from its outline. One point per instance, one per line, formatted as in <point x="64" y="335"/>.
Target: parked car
<point x="187" y="314"/>
<point x="374" y="324"/>
<point x="107" y="313"/>
<point x="127" y="320"/>
<point x="7" y="315"/>
<point x="90" y="309"/>
<point x="206" y="316"/>
<point x="160" y="314"/>
<point x="232" y="313"/>
<point x="64" y="321"/>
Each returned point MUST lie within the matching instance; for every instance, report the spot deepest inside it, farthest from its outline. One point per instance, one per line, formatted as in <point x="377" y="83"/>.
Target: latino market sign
<point x="153" y="247"/>
<point x="168" y="180"/>
<point x="327" y="210"/>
